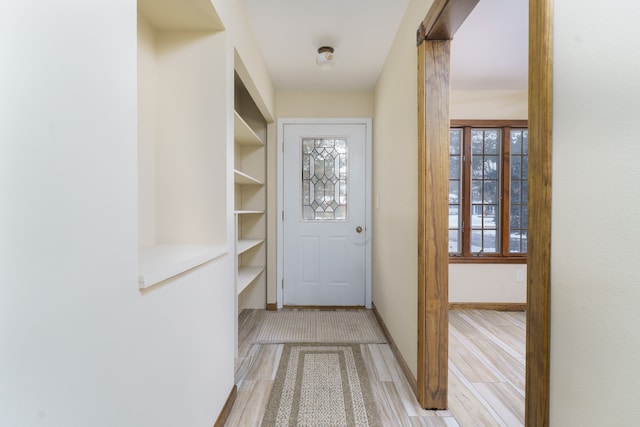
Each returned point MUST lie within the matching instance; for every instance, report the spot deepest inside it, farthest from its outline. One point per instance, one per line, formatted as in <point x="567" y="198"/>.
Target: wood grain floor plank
<point x="386" y="409"/>
<point x="467" y="405"/>
<point x="265" y="363"/>
<point x="514" y="350"/>
<point x="245" y="362"/>
<point x="512" y="369"/>
<point x="469" y="362"/>
<point x="511" y="334"/>
<point x="396" y="411"/>
<point x="486" y="374"/>
<point x="379" y="364"/>
<point x="434" y="422"/>
<point x="250" y="404"/>
<point x="368" y="361"/>
<point x="405" y="391"/>
<point x="505" y="401"/>
<point x="457" y="321"/>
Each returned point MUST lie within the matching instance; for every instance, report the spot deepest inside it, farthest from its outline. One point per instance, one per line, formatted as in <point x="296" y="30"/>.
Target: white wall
<point x="147" y="133"/>
<point x="81" y="345"/>
<point x="489" y="104"/>
<point x="395" y="171"/>
<point x="595" y="340"/>
<point x="324" y="104"/>
<point x="181" y="136"/>
<point x="254" y="70"/>
<point x="487" y="282"/>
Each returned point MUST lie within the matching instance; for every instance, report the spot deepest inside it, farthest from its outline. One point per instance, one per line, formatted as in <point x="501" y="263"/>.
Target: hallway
<point x="486" y="374"/>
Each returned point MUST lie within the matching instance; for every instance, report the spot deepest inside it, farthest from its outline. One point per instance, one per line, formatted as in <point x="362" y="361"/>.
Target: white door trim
<point x="368" y="183"/>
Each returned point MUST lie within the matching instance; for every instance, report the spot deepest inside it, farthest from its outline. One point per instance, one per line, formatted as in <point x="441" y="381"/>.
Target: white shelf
<point x="161" y="262"/>
<point x="244" y="135"/>
<point x="246" y="275"/>
<point x="250" y="201"/>
<point x="243" y="178"/>
<point x="246" y="244"/>
<point x="247" y="212"/>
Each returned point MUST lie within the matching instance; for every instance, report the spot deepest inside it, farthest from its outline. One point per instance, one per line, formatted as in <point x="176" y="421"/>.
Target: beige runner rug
<point x="321" y="385"/>
<point x="351" y="326"/>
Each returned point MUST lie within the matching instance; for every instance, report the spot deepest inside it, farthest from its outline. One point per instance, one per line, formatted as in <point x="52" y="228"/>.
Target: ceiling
<point x="488" y="52"/>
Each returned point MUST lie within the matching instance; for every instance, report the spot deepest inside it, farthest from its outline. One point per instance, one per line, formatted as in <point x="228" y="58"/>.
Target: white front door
<point x="324" y="214"/>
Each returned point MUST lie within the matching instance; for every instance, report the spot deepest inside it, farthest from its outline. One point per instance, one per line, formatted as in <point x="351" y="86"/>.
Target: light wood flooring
<point x="486" y="374"/>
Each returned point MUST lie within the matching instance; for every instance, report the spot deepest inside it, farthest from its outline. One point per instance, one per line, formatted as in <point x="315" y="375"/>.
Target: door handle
<point x="358" y="229"/>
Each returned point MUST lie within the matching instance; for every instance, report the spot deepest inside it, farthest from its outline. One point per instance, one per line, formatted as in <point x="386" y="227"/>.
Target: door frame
<point x="367" y="122"/>
<point x="540" y="103"/>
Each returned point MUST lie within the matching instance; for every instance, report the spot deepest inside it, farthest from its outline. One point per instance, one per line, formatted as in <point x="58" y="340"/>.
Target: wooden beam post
<point x="434" y="63"/>
<point x="433" y="255"/>
<point x="539" y="240"/>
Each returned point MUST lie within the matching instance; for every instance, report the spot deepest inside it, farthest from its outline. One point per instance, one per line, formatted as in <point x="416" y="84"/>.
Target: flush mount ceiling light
<point x="325" y="58"/>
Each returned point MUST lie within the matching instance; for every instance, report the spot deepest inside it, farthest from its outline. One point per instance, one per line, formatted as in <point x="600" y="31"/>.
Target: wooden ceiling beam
<point x="444" y="18"/>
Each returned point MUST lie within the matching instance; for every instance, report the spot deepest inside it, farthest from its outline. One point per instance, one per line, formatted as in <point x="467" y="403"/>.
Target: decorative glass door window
<point x="324" y="179"/>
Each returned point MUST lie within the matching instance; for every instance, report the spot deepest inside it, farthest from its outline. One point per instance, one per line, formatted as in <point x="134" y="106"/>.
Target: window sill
<point x="487" y="260"/>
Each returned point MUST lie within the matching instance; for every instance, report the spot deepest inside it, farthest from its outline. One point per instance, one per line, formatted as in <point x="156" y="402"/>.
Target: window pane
<point x="476" y="216"/>
<point x="525" y="142"/>
<point x="454" y="241"/>
<point x="477" y="167"/>
<point x="324" y="179"/>
<point x="518" y="213"/>
<point x="514" y="217"/>
<point x="476" y="191"/>
<point x="476" y="241"/>
<point x="490" y="219"/>
<point x="454" y="167"/>
<point x="489" y="244"/>
<point x="514" y="242"/>
<point x="516" y="167"/>
<point x="491" y="141"/>
<point x="477" y="141"/>
<point x="491" y="195"/>
<point x="485" y="190"/>
<point x="516" y="142"/>
<point x="454" y="217"/>
<point x="516" y="191"/>
<point x="491" y="167"/>
<point x="454" y="192"/>
<point x="455" y="176"/>
<point x="455" y="143"/>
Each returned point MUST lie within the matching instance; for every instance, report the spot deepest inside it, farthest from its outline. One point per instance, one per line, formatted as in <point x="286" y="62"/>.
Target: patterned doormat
<point x="321" y="385"/>
<point x="349" y="326"/>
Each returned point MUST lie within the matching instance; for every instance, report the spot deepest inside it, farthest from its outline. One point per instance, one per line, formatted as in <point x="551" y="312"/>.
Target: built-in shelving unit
<point x="244" y="179"/>
<point x="182" y="138"/>
<point x="246" y="276"/>
<point x="250" y="132"/>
